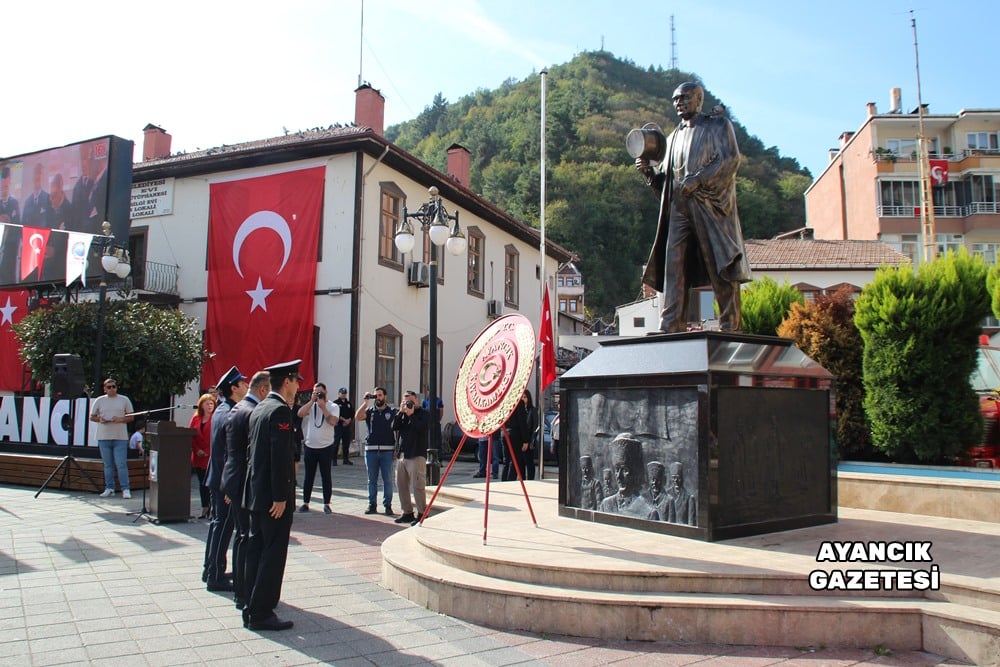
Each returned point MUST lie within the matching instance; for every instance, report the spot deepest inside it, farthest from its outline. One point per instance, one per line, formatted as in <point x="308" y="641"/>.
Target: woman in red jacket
<point x="201" y="422"/>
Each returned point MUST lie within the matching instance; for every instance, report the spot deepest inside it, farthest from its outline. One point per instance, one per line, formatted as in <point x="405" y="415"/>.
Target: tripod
<point x="144" y="512"/>
<point x="68" y="460"/>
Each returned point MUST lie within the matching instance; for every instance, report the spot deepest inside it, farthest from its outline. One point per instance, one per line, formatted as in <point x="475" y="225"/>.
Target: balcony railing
<point x="939" y="211"/>
<point x="155" y="277"/>
<point x="887" y="156"/>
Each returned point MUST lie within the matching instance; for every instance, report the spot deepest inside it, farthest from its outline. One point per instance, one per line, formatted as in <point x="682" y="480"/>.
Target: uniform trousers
<point x="241" y="542"/>
<point x="220" y="532"/>
<point x="266" y="556"/>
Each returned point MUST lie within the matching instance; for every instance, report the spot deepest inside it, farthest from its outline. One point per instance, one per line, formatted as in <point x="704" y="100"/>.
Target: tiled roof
<point x="288" y="139"/>
<point x="819" y="254"/>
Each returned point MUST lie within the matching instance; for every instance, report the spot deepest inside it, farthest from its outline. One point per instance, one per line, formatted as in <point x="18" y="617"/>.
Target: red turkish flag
<point x="33" y="242"/>
<point x="262" y="239"/>
<point x="939" y="172"/>
<point x="545" y="342"/>
<point x="13" y="307"/>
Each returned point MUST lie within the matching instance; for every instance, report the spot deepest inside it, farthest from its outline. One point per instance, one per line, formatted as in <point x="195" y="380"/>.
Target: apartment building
<point x="870" y="190"/>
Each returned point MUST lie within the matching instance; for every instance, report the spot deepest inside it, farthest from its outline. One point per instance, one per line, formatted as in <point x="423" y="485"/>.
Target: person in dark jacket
<point x="520" y="439"/>
<point x="232" y="388"/>
<point x="411" y="423"/>
<point x="270" y="496"/>
<point x="234" y="477"/>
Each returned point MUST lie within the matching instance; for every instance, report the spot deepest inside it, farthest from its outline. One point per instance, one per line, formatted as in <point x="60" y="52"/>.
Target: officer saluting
<point x="270" y="496"/>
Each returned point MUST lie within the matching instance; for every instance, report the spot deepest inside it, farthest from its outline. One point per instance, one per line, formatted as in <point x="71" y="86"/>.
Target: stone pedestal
<point x="706" y="435"/>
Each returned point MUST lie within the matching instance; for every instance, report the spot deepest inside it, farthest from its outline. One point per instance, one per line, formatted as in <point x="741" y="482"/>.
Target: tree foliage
<point x="152" y="352"/>
<point x="920" y="331"/>
<point x="766" y="305"/>
<point x="597" y="205"/>
<point x="824" y="330"/>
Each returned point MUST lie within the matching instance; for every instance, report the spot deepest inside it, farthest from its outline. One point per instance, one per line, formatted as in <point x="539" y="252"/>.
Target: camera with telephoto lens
<point x="408" y="405"/>
<point x="369" y="396"/>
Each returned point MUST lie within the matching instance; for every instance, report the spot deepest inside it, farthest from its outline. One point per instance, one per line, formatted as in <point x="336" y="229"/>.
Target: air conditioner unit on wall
<point x="419" y="274"/>
<point x="494" y="308"/>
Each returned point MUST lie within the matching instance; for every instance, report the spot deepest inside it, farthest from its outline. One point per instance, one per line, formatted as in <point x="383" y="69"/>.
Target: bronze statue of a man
<point x="698" y="238"/>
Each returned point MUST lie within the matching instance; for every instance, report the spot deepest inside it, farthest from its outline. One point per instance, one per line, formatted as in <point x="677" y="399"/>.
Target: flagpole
<point x="539" y="395"/>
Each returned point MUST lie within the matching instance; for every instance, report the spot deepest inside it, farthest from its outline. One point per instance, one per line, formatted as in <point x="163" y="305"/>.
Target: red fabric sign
<point x="939" y="172"/>
<point x="548" y="351"/>
<point x="33" y="242"/>
<point x="262" y="239"/>
<point x="13" y="307"/>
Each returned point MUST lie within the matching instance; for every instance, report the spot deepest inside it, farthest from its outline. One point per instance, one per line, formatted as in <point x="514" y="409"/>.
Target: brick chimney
<point x="459" y="163"/>
<point x="369" y="109"/>
<point x="156" y="143"/>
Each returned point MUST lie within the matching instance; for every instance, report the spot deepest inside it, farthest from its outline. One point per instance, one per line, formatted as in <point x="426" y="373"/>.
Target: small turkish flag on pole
<point x="545" y="342"/>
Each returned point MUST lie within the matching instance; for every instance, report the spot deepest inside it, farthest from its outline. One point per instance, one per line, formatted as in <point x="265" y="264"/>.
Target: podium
<point x="169" y="471"/>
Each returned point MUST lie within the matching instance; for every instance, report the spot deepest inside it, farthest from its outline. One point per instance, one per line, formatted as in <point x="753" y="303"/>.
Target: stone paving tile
<point x="80" y="582"/>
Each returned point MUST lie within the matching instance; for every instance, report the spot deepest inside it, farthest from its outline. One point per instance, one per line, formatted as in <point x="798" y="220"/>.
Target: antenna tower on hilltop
<point x="673" y="44"/>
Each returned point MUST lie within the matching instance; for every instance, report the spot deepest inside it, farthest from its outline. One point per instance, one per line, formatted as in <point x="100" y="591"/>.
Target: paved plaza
<point x="83" y="582"/>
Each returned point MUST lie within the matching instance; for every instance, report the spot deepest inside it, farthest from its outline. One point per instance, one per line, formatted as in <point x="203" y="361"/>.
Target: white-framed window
<point x="949" y="242"/>
<point x="983" y="141"/>
<point x="988" y="251"/>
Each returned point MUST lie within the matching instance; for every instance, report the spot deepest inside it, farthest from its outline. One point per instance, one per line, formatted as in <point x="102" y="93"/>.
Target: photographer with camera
<point x="411" y="423"/>
<point x="319" y="419"/>
<point x="379" y="446"/>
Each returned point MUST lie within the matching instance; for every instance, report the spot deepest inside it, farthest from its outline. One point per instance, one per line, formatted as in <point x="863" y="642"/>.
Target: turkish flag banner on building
<point x="939" y="172"/>
<point x="33" y="242"/>
<point x="13" y="307"/>
<point x="545" y="342"/>
<point x="262" y="239"/>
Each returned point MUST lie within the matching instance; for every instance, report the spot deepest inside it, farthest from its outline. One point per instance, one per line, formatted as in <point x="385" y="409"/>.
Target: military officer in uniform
<point x="234" y="475"/>
<point x="232" y="388"/>
<point x="270" y="496"/>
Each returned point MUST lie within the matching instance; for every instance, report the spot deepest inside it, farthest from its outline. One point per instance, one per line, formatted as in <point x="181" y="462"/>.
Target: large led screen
<point x="47" y="196"/>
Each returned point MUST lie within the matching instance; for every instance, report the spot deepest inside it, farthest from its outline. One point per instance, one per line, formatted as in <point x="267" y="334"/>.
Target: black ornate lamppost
<point x="114" y="260"/>
<point x="433" y="219"/>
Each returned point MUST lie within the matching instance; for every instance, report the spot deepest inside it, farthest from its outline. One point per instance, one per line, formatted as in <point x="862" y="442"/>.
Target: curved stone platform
<point x="574" y="577"/>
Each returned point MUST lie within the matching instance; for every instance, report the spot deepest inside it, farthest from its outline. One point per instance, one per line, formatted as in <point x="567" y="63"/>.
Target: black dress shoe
<point x="220" y="586"/>
<point x="348" y="462"/>
<point x="273" y="623"/>
<point x="246" y="617"/>
<point x="406" y="518"/>
<point x="240" y="604"/>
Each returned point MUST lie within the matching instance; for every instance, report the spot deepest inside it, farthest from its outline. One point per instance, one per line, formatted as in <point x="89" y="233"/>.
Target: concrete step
<point x="566" y="576"/>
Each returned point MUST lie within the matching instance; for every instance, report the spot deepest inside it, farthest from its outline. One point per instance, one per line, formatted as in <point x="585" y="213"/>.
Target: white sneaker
<point x="108" y="493"/>
<point x="126" y="494"/>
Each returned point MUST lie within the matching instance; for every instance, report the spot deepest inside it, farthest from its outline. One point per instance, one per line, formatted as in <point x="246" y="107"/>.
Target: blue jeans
<point x="113" y="454"/>
<point x="497" y="451"/>
<point x="379" y="463"/>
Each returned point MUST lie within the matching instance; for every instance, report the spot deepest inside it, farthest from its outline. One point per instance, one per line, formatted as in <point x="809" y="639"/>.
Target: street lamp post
<point x="433" y="219"/>
<point x="114" y="260"/>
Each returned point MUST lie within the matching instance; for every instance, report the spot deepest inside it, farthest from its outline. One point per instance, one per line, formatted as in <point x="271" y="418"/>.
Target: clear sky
<point x="796" y="73"/>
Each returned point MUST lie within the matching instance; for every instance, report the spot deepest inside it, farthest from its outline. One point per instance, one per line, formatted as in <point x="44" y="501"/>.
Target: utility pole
<point x="924" y="165"/>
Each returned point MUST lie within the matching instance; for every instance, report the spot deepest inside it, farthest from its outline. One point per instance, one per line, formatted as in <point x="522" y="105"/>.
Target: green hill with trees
<point x="597" y="205"/>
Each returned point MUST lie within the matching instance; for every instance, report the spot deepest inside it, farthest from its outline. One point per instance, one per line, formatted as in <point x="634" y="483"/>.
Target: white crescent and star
<point x="7" y="312"/>
<point x="937" y="173"/>
<point x="257" y="221"/>
<point x="37" y="249"/>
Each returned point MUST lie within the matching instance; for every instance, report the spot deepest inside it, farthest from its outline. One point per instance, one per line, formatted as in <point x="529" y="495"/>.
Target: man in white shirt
<point x="111" y="412"/>
<point x="319" y="419"/>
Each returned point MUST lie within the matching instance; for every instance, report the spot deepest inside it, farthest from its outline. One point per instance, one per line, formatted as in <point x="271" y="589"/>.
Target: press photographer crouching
<point x="411" y="457"/>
